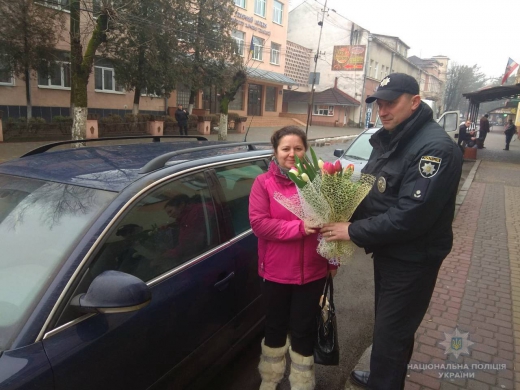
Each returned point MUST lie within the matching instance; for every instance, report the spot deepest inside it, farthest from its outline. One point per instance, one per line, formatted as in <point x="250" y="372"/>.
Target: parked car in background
<point x="99" y="287"/>
<point x="360" y="149"/>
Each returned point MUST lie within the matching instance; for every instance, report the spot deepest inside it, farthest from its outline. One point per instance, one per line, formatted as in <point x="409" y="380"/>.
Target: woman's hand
<point x="308" y="229"/>
<point x="337" y="231"/>
<point x="333" y="272"/>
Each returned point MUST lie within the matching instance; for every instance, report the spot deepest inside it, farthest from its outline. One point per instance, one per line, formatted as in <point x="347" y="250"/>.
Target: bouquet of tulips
<point x="326" y="193"/>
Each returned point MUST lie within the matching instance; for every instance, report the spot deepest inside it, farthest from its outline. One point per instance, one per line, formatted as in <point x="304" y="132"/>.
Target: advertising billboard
<point x="348" y="57"/>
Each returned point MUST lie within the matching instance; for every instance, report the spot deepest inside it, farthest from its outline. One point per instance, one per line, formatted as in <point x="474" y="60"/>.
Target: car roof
<point x="111" y="167"/>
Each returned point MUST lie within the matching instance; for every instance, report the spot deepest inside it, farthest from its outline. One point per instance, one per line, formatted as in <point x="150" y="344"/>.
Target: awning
<point x="493" y="93"/>
<point x="271" y="77"/>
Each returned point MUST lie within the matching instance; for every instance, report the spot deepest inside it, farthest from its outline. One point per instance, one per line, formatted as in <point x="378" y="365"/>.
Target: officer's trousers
<point x="402" y="293"/>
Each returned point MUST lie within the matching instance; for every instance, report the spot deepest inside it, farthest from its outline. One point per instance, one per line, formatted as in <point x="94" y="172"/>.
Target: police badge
<point x="429" y="166"/>
<point x="381" y="184"/>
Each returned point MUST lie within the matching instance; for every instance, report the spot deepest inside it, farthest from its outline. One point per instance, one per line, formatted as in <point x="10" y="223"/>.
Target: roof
<point x="272" y="77"/>
<point x="110" y="168"/>
<point x="332" y="97"/>
<point x="391" y="36"/>
<point x="422" y="61"/>
<point x="487" y="94"/>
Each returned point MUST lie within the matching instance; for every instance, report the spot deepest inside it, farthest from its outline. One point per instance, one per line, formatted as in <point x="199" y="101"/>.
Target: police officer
<point x="405" y="222"/>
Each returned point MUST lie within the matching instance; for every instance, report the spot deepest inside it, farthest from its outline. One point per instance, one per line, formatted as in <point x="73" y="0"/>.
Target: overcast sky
<point x="466" y="31"/>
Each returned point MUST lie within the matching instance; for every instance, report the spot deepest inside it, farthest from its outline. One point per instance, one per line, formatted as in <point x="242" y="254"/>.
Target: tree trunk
<point x="81" y="67"/>
<point x="28" y="93"/>
<point x="79" y="123"/>
<point x="193" y="94"/>
<point x="137" y="99"/>
<point x="222" y="127"/>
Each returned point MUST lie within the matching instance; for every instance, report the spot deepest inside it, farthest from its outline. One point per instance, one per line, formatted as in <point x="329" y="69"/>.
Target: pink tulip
<point x="337" y="166"/>
<point x="329" y="168"/>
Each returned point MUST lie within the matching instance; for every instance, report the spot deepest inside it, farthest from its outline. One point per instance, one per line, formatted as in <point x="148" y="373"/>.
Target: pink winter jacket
<point x="285" y="254"/>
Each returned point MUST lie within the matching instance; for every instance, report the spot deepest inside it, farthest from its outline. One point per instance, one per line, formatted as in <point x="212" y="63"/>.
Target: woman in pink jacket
<point x="293" y="274"/>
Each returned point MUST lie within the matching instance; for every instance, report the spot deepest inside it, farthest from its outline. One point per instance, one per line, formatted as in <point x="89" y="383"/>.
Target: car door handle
<point x="222" y="284"/>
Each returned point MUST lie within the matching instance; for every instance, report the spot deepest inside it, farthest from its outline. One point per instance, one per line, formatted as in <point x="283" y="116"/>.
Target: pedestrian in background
<point x="293" y="274"/>
<point x="484" y="129"/>
<point x="405" y="222"/>
<point x="181" y="116"/>
<point x="509" y="132"/>
<point x="465" y="135"/>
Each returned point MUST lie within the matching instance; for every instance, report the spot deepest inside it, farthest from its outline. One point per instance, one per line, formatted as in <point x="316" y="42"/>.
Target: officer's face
<point x="291" y="145"/>
<point x="394" y="112"/>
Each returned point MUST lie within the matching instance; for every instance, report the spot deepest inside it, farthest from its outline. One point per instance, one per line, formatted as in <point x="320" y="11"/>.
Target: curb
<point x="331" y="140"/>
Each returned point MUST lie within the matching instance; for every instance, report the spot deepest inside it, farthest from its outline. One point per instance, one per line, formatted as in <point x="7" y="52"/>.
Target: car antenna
<point x="247" y="132"/>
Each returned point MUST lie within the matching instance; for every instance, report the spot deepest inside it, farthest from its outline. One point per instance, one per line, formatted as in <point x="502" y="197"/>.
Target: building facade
<point x="261" y="37"/>
<point x="261" y="34"/>
<point x="354" y="60"/>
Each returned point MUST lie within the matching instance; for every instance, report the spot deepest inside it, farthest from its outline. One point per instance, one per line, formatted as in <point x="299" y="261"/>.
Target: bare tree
<point x="144" y="46"/>
<point x="93" y="31"/>
<point x="29" y="33"/>
<point x="461" y="79"/>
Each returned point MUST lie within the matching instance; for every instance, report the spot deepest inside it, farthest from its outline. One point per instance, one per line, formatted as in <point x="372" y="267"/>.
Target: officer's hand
<point x="337" y="231"/>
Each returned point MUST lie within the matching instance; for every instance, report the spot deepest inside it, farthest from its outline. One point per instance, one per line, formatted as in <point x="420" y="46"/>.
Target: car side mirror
<point x="113" y="292"/>
<point x="339" y="152"/>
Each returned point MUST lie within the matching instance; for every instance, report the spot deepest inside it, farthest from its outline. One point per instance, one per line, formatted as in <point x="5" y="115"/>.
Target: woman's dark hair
<point x="288" y="130"/>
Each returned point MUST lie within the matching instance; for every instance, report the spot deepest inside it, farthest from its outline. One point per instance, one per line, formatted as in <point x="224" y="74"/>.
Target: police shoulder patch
<point x="429" y="166"/>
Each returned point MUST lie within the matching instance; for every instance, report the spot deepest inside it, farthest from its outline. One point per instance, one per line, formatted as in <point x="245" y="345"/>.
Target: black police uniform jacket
<point x="408" y="213"/>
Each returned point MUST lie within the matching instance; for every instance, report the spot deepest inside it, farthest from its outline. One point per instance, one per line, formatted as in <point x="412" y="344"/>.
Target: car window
<point x="165" y="229"/>
<point x="360" y="148"/>
<point x="40" y="224"/>
<point x="236" y="182"/>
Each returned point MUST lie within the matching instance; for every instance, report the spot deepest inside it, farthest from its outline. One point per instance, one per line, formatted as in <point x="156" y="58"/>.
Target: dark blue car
<point x="127" y="266"/>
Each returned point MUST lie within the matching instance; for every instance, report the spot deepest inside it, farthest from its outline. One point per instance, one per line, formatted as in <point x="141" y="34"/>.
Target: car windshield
<point x="360" y="148"/>
<point x="40" y="222"/>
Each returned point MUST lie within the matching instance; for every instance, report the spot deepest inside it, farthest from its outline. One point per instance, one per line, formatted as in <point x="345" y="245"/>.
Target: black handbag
<point x="326" y="347"/>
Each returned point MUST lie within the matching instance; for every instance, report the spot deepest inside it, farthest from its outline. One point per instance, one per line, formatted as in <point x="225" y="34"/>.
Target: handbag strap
<point x="328" y="292"/>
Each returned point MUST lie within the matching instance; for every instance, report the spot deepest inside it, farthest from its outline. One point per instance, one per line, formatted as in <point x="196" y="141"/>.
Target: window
<point x="376" y="69"/>
<point x="241" y="3"/>
<point x="104" y="76"/>
<point x="183" y="95"/>
<point x="260" y="8"/>
<point x="6" y="77"/>
<point x="370" y="68"/>
<point x="258" y="48"/>
<point x="164" y="230"/>
<point x="275" y="53"/>
<point x="238" y="101"/>
<point x="278" y="12"/>
<point x="236" y="182"/>
<point x="324" y="110"/>
<point x="270" y="98"/>
<point x="239" y="37"/>
<point x="55" y="74"/>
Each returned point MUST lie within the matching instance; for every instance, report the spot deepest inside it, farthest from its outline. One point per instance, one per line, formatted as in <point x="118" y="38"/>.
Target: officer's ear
<point x="416" y="101"/>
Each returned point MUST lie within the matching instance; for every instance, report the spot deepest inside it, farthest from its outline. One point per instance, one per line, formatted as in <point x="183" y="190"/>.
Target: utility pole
<point x="369" y="38"/>
<point x="311" y="102"/>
